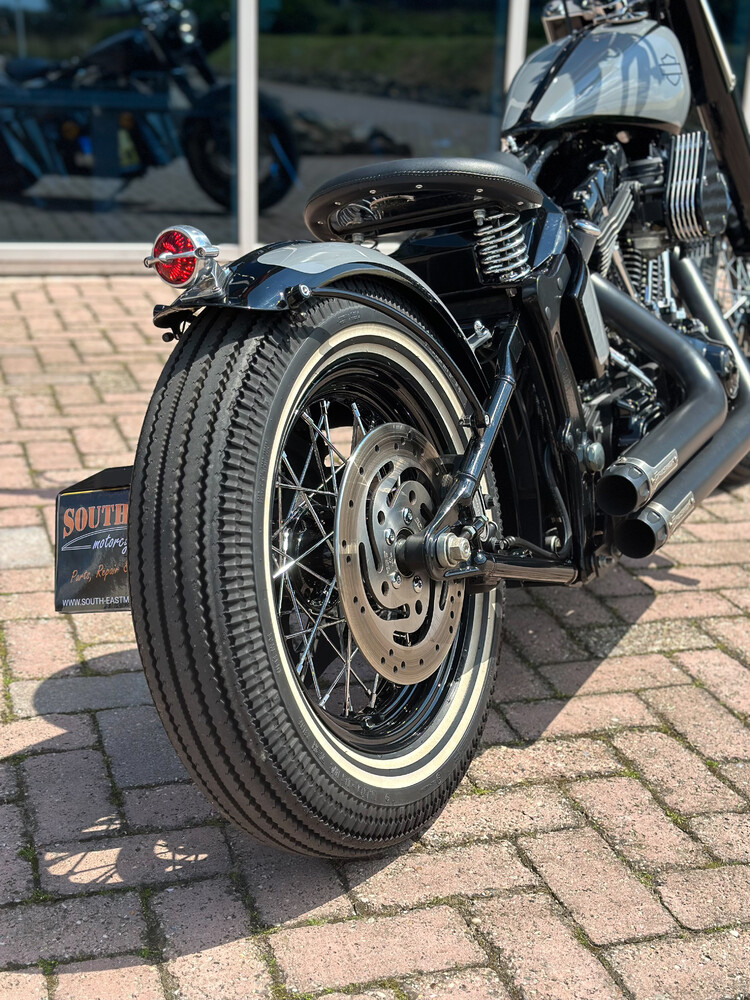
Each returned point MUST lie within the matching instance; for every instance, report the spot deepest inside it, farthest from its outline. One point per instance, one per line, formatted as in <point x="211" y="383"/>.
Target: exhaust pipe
<point x="643" y="534"/>
<point x="634" y="478"/>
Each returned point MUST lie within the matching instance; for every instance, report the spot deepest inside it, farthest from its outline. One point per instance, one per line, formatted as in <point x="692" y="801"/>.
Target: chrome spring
<point x="501" y="246"/>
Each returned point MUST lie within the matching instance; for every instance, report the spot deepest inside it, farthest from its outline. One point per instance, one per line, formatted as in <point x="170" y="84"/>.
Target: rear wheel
<point x="327" y="701"/>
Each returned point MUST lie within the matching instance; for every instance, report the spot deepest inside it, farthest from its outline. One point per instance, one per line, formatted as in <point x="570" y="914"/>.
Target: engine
<point x="676" y="196"/>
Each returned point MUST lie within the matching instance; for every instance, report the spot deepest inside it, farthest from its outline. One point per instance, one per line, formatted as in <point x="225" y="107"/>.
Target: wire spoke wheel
<point x="370" y="646"/>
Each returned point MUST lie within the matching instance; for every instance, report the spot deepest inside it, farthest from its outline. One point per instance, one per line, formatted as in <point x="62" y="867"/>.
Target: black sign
<point x="91" y="544"/>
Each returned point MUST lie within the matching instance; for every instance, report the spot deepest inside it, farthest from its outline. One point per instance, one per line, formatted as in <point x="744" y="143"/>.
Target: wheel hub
<point x="404" y="625"/>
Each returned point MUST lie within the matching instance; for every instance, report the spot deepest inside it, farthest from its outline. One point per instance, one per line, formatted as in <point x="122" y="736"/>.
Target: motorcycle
<point x="350" y="455"/>
<point x="110" y="112"/>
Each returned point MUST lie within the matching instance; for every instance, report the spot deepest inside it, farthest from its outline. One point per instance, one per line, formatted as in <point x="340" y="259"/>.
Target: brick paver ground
<point x="600" y="847"/>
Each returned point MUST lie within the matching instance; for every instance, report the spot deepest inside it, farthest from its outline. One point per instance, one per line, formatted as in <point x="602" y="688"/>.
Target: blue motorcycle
<point x="111" y="112"/>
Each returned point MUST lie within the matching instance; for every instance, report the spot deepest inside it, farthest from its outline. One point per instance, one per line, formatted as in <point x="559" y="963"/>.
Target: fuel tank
<point x="630" y="74"/>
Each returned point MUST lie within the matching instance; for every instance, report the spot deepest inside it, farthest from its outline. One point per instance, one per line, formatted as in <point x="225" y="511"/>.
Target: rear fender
<point x="275" y="279"/>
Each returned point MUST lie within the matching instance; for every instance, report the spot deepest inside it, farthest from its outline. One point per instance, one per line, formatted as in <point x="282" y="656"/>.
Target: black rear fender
<point x="276" y="278"/>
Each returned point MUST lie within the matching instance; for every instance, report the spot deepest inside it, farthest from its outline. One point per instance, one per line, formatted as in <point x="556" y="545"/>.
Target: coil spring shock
<point x="501" y="246"/>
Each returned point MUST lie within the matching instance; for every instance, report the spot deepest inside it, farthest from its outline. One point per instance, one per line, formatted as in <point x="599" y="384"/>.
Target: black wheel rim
<point x="354" y="702"/>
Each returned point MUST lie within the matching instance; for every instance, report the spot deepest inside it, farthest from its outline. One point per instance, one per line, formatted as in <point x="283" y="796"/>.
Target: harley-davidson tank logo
<point x="671" y="69"/>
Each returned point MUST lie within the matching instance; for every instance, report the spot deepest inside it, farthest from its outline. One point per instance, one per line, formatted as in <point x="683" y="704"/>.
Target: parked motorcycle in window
<point x="112" y="112"/>
<point x="349" y="455"/>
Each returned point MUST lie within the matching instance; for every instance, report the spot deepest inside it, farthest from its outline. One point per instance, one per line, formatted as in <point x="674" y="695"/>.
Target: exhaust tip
<point x="636" y="538"/>
<point x="617" y="494"/>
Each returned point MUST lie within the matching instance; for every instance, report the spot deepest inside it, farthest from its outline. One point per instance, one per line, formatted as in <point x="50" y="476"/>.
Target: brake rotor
<point x="404" y="625"/>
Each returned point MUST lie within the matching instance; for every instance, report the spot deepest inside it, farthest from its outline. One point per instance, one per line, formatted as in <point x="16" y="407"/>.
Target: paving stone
<point x="69" y="795"/>
<point x="19" y="517"/>
<point x="497" y="730"/>
<point x="413" y="877"/>
<point x="16" y="881"/>
<point x="726" y="834"/>
<point x="138" y="747"/>
<point x="579" y="715"/>
<point x="683" y="604"/>
<point x="289" y="888"/>
<point x="49" y="732"/>
<point x="24" y="984"/>
<point x="94" y="926"/>
<point x="76" y="694"/>
<point x="376" y="994"/>
<point x="739" y="775"/>
<point x="205" y="927"/>
<point x="332" y="955"/>
<point x="37" y="604"/>
<point x="635" y="824"/>
<point x="546" y="961"/>
<point x="602" y="895"/>
<point x="712" y="897"/>
<point x="701" y="967"/>
<point x="718" y="531"/>
<point x="22" y="547"/>
<point x="43" y="648"/>
<point x="542" y="761"/>
<point x="139" y="859"/>
<point x="112" y="658"/>
<point x="712" y="730"/>
<point x="732" y="632"/>
<point x="8" y="785"/>
<point x="105" y="626"/>
<point x="516" y="681"/>
<point x="21" y="581"/>
<point x="576" y="607"/>
<point x="472" y="984"/>
<point x="125" y="978"/>
<point x="741" y="598"/>
<point x="500" y="814"/>
<point x="634" y="640"/>
<point x="713" y="553"/>
<point x="722" y="675"/>
<point x="677" y="775"/>
<point x="616" y="673"/>
<point x="166" y="807"/>
<point x="617" y="582"/>
<point x="539" y="637"/>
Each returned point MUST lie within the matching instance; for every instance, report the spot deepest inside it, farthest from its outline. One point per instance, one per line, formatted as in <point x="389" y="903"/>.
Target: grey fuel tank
<point x="632" y="73"/>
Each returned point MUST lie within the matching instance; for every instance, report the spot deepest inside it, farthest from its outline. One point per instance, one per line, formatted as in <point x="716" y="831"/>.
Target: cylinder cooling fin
<point x="696" y="199"/>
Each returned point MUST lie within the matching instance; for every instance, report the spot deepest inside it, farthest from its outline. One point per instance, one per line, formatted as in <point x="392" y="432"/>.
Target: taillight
<point x="179" y="254"/>
<point x="173" y="244"/>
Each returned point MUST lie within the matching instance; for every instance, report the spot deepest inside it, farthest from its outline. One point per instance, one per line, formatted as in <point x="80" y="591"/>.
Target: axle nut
<point x="452" y="549"/>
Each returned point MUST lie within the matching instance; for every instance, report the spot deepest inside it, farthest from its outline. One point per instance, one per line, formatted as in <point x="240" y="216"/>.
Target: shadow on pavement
<point x="153" y="829"/>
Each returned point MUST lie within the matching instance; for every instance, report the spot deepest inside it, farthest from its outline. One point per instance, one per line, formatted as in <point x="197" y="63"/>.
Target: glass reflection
<point x="115" y="118"/>
<point x="362" y="80"/>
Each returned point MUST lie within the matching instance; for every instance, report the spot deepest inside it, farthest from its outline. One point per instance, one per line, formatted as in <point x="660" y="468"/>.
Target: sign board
<point x="91" y="544"/>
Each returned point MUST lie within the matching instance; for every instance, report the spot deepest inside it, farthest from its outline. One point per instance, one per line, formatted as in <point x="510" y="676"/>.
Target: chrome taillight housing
<point x="182" y="255"/>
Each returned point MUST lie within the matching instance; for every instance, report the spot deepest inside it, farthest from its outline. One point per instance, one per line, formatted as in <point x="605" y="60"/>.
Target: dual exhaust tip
<point x="624" y="489"/>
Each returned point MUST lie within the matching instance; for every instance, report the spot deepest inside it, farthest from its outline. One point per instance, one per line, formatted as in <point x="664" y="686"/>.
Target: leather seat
<point x="398" y="195"/>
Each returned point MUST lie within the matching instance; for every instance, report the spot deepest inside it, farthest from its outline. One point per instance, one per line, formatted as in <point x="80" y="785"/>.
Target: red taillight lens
<point x="180" y="270"/>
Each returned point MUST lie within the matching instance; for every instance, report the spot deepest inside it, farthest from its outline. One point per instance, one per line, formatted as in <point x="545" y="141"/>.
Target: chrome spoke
<point x="306" y="499"/>
<point x="374" y="690"/>
<point x="312" y="635"/>
<point x="326" y="437"/>
<point x="296" y="635"/>
<point x="294" y="562"/>
<point x="299" y="619"/>
<point x="348" y="679"/>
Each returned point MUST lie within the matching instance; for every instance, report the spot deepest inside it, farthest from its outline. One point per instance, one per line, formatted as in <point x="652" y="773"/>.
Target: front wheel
<point x="327" y="701"/>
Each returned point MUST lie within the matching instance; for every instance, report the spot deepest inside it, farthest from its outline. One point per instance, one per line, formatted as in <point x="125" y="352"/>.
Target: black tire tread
<point x="177" y="628"/>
